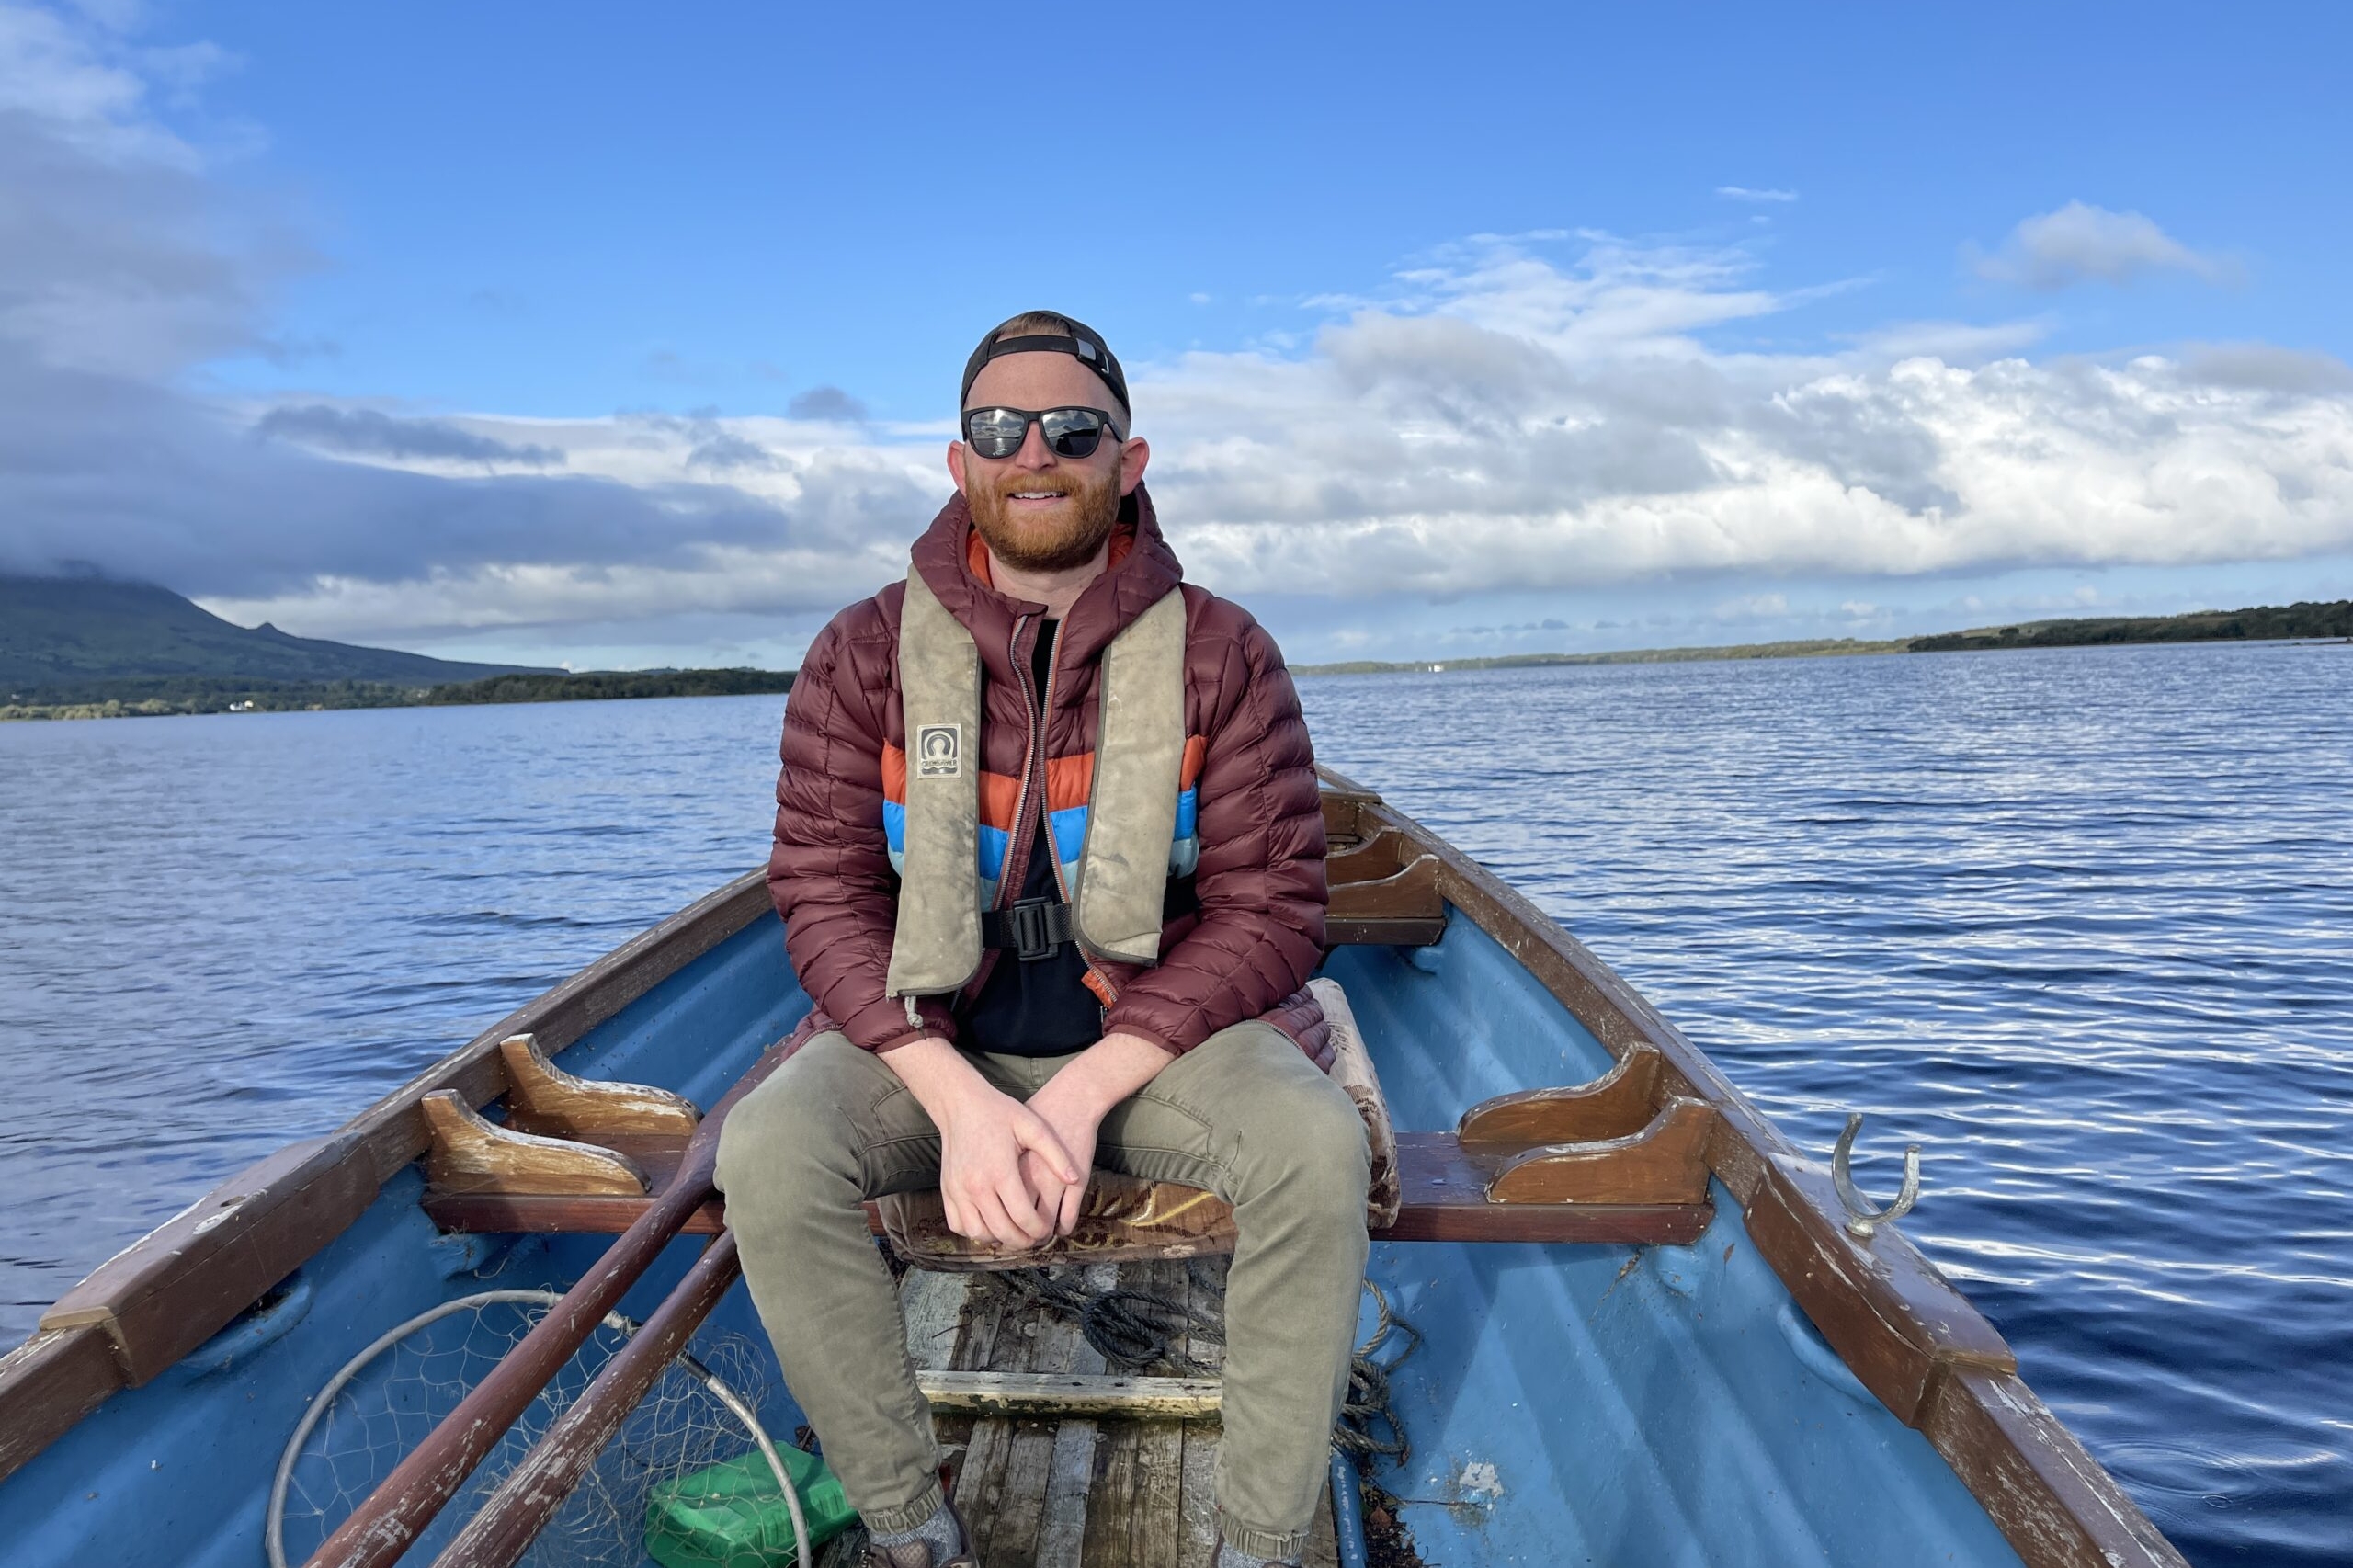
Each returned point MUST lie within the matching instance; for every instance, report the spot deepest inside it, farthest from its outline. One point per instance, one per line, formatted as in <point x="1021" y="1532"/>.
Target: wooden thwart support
<point x="472" y="1154"/>
<point x="1619" y="1102"/>
<point x="1053" y="1395"/>
<point x="652" y="1126"/>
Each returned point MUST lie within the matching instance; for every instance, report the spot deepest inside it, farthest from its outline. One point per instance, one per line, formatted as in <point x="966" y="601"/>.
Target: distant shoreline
<point x="1837" y="648"/>
<point x="2323" y="622"/>
<point x="168" y="697"/>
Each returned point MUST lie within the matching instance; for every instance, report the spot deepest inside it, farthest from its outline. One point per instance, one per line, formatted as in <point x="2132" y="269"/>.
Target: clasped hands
<point x="1015" y="1174"/>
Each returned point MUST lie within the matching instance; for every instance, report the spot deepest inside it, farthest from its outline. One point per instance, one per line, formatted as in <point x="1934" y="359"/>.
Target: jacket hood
<point x="1142" y="569"/>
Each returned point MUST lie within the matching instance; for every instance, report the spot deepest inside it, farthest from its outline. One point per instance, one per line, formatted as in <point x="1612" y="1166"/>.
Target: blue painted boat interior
<point x="1663" y="1405"/>
<point x="1660" y="1405"/>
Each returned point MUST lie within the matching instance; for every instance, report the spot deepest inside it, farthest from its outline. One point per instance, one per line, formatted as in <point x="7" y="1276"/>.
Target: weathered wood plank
<point x="1011" y="1538"/>
<point x="173" y="1290"/>
<point x="1110" y="1501"/>
<point x="47" y="1383"/>
<point x="980" y="1477"/>
<point x="2052" y="1500"/>
<point x="1062" y="1537"/>
<point x="1040" y="1396"/>
<point x="932" y="1307"/>
<point x="1445" y="1192"/>
<point x="1008" y="1461"/>
<point x="1442" y="1191"/>
<point x="1197" y="1498"/>
<point x="1187" y="1454"/>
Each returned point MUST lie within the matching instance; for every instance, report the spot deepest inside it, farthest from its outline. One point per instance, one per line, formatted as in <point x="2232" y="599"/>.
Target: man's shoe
<point x="916" y="1553"/>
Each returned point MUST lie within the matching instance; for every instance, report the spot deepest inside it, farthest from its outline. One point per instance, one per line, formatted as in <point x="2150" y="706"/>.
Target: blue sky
<point x="1523" y="328"/>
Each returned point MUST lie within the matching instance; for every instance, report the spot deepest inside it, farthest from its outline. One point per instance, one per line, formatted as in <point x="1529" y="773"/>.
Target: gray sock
<point x="938" y="1534"/>
<point x="1232" y="1556"/>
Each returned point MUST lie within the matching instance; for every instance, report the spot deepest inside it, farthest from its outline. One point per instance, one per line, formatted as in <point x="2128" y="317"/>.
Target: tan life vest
<point x="1131" y="807"/>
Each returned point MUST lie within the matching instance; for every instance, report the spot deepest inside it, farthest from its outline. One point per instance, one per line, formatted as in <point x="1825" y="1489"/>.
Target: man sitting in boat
<point x="1051" y="861"/>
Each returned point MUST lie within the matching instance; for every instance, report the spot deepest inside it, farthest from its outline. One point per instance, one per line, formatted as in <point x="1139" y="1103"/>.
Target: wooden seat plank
<point x="1443" y="1197"/>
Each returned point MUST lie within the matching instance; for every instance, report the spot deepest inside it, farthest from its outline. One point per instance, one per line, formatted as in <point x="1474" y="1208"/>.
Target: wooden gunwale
<point x="2052" y="1501"/>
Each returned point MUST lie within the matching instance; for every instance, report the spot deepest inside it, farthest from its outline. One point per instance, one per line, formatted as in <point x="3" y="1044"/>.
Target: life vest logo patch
<point x="940" y="751"/>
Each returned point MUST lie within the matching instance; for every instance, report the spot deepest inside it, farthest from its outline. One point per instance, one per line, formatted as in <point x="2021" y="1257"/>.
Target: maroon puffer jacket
<point x="1260" y="881"/>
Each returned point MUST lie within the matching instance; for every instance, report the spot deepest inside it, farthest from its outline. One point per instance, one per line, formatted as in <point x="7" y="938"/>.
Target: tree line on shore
<point x="2265" y="623"/>
<point x="159" y="695"/>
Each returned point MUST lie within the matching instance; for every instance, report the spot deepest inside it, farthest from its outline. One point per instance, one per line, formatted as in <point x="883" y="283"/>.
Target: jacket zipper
<point x="1016" y="844"/>
<point x="1039" y="708"/>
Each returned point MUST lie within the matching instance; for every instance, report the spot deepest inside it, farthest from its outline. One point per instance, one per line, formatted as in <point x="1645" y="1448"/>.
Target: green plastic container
<point x="733" y="1516"/>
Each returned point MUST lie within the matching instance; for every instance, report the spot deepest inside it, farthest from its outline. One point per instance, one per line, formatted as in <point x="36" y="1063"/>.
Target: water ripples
<point x="2079" y="922"/>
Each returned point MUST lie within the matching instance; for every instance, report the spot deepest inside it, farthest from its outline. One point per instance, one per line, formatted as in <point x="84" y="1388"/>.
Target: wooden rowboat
<point x="1653" y="1330"/>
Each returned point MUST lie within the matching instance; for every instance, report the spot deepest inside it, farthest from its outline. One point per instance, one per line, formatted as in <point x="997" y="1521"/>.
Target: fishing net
<point x="688" y="1482"/>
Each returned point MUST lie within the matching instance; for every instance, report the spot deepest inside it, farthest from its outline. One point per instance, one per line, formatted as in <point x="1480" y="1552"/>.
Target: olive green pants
<point x="1245" y="1114"/>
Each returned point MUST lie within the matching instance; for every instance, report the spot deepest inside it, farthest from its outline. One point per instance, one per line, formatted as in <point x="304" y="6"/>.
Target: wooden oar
<point x="390" y="1518"/>
<point x="507" y="1525"/>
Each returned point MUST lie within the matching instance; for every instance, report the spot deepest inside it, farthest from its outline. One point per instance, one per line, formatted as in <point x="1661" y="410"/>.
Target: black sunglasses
<point x="997" y="433"/>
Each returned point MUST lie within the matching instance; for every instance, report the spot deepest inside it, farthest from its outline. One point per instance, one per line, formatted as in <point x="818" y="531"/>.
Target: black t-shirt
<point x="1040" y="1009"/>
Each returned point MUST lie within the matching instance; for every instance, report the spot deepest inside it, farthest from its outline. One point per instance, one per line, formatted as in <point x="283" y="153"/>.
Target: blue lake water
<point x="2081" y="922"/>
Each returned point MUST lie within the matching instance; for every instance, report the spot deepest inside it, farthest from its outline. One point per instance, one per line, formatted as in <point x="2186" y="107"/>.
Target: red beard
<point x="1055" y="540"/>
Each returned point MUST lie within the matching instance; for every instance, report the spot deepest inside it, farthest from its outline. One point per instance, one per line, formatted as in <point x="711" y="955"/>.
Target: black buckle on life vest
<point x="1032" y="929"/>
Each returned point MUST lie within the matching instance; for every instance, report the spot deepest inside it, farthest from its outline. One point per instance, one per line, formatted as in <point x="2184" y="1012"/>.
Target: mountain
<point x="79" y="632"/>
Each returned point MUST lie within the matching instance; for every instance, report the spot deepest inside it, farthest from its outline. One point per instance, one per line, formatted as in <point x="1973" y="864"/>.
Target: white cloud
<point x="1511" y="415"/>
<point x="2081" y="242"/>
<point x="1508" y="422"/>
<point x="1742" y="193"/>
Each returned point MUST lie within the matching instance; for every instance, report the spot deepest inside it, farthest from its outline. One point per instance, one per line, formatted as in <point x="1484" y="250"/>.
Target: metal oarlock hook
<point x="1863" y="1217"/>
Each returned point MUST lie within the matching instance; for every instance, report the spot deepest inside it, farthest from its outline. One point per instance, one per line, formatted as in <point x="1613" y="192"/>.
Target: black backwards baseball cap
<point x="1084" y="344"/>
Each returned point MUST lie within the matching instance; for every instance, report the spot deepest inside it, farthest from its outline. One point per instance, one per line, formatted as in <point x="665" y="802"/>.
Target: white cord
<point x="274" y="1536"/>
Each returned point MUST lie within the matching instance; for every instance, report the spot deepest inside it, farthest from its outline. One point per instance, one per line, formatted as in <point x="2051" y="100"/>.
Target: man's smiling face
<point x="1039" y="512"/>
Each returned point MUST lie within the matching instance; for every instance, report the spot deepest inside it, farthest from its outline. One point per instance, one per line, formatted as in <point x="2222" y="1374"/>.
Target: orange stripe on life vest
<point x="894" y="774"/>
<point x="1197" y="751"/>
